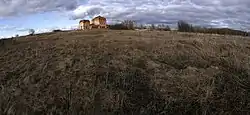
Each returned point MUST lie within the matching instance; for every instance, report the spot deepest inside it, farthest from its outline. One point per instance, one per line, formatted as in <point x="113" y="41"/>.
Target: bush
<point x="163" y="27"/>
<point x="58" y="30"/>
<point x="185" y="27"/>
<point x="118" y="27"/>
<point x="129" y="24"/>
<point x="31" y="31"/>
<point x="125" y="25"/>
<point x="167" y="28"/>
<point x="141" y="26"/>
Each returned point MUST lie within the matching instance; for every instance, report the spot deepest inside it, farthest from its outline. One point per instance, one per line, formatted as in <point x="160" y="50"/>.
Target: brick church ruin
<point x="97" y="22"/>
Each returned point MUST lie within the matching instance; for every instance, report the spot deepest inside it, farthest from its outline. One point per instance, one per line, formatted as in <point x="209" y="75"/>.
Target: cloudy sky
<point x="18" y="16"/>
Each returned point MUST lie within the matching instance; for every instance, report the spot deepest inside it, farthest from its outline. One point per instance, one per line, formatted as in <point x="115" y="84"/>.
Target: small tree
<point x="142" y="27"/>
<point x="152" y="26"/>
<point x="17" y="35"/>
<point x="184" y="26"/>
<point x="31" y="31"/>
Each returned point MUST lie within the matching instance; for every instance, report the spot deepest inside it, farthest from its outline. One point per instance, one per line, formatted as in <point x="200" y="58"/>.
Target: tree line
<point x="131" y="25"/>
<point x="186" y="27"/>
<point x="182" y="26"/>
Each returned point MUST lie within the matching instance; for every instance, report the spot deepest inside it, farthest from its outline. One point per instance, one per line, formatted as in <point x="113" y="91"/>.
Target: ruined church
<point x="97" y="22"/>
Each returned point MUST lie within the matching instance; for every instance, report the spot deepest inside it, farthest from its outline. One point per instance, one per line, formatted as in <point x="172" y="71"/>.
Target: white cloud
<point x="43" y="30"/>
<point x="25" y="31"/>
<point x="50" y="29"/>
<point x="6" y="27"/>
<point x="227" y="13"/>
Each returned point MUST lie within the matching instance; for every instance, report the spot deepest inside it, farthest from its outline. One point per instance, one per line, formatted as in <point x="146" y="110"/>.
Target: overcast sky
<point x="17" y="16"/>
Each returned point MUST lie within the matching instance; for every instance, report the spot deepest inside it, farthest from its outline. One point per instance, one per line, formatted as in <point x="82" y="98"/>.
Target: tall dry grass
<point x="122" y="72"/>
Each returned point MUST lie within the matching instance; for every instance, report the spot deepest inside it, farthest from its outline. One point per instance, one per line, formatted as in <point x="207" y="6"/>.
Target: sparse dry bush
<point x="130" y="24"/>
<point x="124" y="25"/>
<point x="31" y="31"/>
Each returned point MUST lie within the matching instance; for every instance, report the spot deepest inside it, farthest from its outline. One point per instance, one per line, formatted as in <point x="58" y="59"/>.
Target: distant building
<point x="97" y="22"/>
<point x="84" y="24"/>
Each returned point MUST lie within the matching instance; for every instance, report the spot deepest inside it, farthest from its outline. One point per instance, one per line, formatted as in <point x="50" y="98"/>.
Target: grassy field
<point x="108" y="72"/>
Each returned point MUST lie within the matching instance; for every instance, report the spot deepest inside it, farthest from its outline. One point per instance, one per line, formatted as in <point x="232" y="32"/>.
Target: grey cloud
<point x="16" y="7"/>
<point x="217" y="13"/>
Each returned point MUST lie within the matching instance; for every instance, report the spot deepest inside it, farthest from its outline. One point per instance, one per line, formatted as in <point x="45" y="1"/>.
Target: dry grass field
<point x="111" y="72"/>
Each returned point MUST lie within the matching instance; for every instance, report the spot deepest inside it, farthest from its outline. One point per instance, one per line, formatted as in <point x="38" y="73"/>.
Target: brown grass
<point x="125" y="72"/>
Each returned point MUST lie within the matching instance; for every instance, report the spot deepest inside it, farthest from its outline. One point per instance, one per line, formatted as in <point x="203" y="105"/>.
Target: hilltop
<point x="125" y="72"/>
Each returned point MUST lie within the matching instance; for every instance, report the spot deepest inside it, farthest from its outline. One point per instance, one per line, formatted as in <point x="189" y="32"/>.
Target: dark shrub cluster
<point x="131" y="25"/>
<point x="186" y="27"/>
<point x="163" y="27"/>
<point x="118" y="27"/>
<point x="125" y="25"/>
<point x="58" y="30"/>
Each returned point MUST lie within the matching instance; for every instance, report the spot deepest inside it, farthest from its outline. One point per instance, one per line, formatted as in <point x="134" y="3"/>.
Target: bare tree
<point x="31" y="31"/>
<point x="130" y="24"/>
<point x="167" y="28"/>
<point x="152" y="26"/>
<point x="141" y="26"/>
<point x="184" y="26"/>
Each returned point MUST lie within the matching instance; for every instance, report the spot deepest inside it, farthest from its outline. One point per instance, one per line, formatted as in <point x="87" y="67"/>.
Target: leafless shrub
<point x="130" y="24"/>
<point x="31" y="31"/>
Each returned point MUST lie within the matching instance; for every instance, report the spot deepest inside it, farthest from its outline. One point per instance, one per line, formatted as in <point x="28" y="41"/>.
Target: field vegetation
<point x="125" y="72"/>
